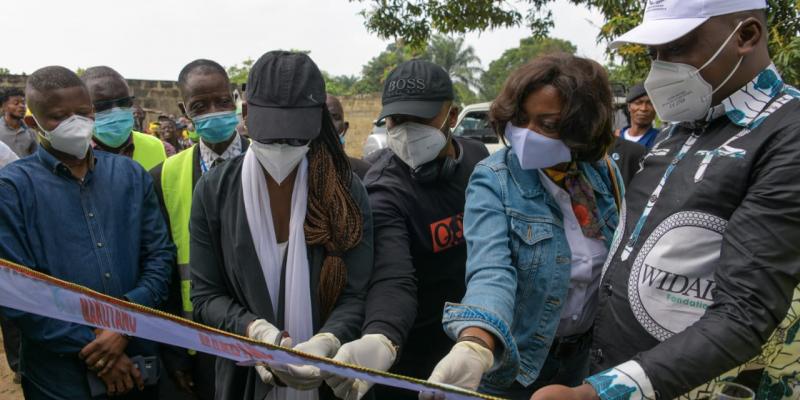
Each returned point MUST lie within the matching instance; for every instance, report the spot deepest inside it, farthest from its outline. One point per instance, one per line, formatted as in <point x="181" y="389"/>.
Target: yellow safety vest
<point x="176" y="185"/>
<point x="148" y="150"/>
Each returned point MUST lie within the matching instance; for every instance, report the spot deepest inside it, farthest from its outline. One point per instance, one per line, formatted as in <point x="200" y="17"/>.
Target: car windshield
<point x="475" y="125"/>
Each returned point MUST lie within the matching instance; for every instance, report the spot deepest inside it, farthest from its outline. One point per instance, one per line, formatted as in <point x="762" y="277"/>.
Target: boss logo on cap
<point x="406" y="86"/>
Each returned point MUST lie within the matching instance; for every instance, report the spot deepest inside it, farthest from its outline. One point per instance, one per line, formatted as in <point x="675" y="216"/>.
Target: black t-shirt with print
<point x="420" y="255"/>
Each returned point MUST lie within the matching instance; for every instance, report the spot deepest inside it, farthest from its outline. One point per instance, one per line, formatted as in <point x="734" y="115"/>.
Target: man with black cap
<point x="641" y="114"/>
<point x="417" y="192"/>
<point x="704" y="267"/>
<point x="281" y="236"/>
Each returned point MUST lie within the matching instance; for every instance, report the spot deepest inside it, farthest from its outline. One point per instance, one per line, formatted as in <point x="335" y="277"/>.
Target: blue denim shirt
<point x="518" y="262"/>
<point x="105" y="233"/>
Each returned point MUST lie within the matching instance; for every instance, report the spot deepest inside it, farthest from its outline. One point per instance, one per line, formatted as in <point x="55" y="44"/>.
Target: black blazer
<point x="229" y="290"/>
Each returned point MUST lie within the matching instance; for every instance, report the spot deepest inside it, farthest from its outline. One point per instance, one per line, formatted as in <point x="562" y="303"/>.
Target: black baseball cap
<point x="636" y="92"/>
<point x="417" y="88"/>
<point x="285" y="96"/>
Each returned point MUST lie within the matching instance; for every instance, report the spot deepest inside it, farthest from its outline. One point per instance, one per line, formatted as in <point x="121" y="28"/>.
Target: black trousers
<point x="33" y="392"/>
<point x="11" y="343"/>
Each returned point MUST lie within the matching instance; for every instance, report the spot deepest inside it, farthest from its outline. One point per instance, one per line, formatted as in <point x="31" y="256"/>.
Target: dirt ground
<point x="8" y="389"/>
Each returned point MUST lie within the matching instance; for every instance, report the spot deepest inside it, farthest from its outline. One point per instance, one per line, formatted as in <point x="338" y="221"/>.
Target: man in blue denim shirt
<point x="86" y="217"/>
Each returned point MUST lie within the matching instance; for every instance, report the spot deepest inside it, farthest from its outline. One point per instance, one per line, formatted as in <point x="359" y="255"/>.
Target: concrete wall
<point x="156" y="97"/>
<point x="360" y="111"/>
<point x="161" y="97"/>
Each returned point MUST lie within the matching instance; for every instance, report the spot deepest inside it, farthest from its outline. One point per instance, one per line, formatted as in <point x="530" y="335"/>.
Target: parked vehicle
<point x="473" y="122"/>
<point x="376" y="139"/>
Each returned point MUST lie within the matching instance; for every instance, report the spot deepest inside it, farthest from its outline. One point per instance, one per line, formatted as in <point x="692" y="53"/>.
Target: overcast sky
<point x="153" y="39"/>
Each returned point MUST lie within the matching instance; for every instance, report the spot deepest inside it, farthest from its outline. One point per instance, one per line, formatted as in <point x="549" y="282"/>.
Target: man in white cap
<point x="705" y="268"/>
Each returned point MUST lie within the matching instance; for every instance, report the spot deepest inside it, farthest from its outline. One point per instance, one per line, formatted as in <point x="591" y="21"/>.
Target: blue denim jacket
<point x="518" y="262"/>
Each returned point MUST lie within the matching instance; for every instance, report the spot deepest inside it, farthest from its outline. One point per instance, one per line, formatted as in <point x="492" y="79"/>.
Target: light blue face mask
<point x="113" y="127"/>
<point x="536" y="151"/>
<point x="216" y="127"/>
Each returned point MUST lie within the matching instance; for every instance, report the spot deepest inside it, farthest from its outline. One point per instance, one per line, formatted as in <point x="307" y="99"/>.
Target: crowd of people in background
<point x="576" y="262"/>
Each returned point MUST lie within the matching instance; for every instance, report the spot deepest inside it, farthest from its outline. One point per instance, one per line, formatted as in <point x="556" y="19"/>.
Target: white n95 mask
<point x="279" y="159"/>
<point x="678" y="92"/>
<point x="72" y="136"/>
<point x="415" y="143"/>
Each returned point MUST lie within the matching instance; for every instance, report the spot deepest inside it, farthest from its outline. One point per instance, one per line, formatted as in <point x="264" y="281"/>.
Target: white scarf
<point x="297" y="303"/>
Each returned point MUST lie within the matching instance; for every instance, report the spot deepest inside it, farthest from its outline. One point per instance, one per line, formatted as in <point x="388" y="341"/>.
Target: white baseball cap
<point x="668" y="20"/>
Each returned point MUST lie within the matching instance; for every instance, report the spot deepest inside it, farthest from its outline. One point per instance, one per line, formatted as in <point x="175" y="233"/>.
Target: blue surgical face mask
<point x="536" y="151"/>
<point x="216" y="127"/>
<point x="113" y="127"/>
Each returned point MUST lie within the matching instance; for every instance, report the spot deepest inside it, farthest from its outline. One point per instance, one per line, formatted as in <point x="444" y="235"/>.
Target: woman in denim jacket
<point x="539" y="219"/>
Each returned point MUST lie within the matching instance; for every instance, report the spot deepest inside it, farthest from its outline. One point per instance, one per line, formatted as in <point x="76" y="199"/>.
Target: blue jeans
<point x="569" y="370"/>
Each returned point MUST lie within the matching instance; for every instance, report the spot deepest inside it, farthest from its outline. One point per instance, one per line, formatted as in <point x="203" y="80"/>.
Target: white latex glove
<point x="263" y="331"/>
<point x="464" y="367"/>
<point x="306" y="377"/>
<point x="371" y="351"/>
<point x="264" y="373"/>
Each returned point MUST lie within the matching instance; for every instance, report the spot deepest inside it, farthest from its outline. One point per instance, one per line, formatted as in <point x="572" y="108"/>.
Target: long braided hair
<point x="333" y="219"/>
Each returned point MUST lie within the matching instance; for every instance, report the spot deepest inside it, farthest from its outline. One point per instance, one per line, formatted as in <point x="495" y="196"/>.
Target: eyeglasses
<point x="290" y="142"/>
<point x="103" y="105"/>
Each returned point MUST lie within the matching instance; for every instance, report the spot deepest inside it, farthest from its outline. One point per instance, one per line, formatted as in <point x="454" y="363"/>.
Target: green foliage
<point x="80" y="71"/>
<point x="460" y="62"/>
<point x="238" y="73"/>
<point x="784" y="42"/>
<point x="414" y="21"/>
<point x="464" y="95"/>
<point x="494" y="77"/>
<point x="4" y="71"/>
<point x="340" y="85"/>
<point x="377" y="69"/>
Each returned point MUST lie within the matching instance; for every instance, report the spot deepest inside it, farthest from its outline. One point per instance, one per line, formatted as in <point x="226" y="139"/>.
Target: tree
<point x="375" y="71"/>
<point x="460" y="62"/>
<point x="238" y="73"/>
<point x="494" y="77"/>
<point x="413" y="21"/>
<point x="339" y="85"/>
<point x="4" y="71"/>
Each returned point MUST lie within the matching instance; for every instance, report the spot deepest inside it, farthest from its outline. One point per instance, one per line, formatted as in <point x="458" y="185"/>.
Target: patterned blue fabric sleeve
<point x="624" y="382"/>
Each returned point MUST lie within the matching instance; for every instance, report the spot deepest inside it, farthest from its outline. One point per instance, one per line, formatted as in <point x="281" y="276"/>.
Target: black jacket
<point x="359" y="166"/>
<point x="627" y="155"/>
<point x="229" y="291"/>
<point x="420" y="256"/>
<point x="703" y="284"/>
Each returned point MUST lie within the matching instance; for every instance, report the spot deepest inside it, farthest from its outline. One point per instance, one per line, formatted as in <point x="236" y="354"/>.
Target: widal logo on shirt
<point x="696" y="287"/>
<point x="447" y="233"/>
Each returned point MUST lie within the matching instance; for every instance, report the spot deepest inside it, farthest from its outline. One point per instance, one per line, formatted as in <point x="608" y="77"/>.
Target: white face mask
<point x="416" y="143"/>
<point x="534" y="150"/>
<point x="678" y="92"/>
<point x="71" y="136"/>
<point x="279" y="160"/>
